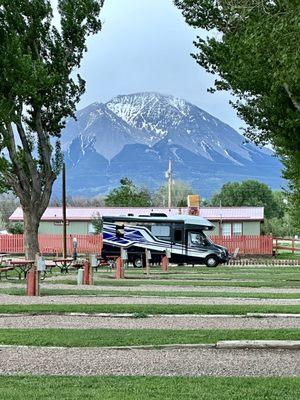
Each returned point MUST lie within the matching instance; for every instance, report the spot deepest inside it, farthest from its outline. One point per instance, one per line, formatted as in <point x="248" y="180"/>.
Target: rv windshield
<point x="198" y="239"/>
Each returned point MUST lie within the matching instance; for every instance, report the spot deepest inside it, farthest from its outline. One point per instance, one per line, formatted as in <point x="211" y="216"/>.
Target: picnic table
<point x="63" y="264"/>
<point x="21" y="266"/>
<point x="107" y="261"/>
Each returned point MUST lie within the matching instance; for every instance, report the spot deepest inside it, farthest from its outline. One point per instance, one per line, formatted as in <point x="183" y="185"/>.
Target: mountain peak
<point x="134" y="135"/>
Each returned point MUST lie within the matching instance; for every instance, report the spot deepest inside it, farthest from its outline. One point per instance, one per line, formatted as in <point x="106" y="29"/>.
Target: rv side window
<point x="161" y="230"/>
<point x="178" y="235"/>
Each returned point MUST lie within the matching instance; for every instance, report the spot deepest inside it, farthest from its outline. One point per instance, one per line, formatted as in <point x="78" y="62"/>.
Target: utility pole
<point x="169" y="176"/>
<point x="64" y="211"/>
<point x="221" y="221"/>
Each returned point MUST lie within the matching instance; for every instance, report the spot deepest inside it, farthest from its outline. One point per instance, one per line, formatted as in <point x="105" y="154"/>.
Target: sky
<point x="145" y="45"/>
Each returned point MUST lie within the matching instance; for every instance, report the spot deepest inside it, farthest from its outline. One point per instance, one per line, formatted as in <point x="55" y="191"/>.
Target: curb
<point x="259" y="344"/>
<point x="133" y="315"/>
<point x="221" y="345"/>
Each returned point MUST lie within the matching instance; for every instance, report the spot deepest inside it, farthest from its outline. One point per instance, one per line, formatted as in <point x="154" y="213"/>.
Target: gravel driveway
<point x="157" y="322"/>
<point x="157" y="288"/>
<point x="167" y="362"/>
<point x="8" y="299"/>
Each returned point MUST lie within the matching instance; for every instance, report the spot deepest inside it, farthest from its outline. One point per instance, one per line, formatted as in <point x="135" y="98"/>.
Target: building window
<point x="237" y="229"/>
<point x="226" y="229"/>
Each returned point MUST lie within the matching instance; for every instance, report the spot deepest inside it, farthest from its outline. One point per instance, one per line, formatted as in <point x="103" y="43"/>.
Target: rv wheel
<point x="211" y="261"/>
<point x="137" y="262"/>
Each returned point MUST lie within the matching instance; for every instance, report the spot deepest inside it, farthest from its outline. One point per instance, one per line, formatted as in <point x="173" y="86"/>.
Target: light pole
<point x="169" y="176"/>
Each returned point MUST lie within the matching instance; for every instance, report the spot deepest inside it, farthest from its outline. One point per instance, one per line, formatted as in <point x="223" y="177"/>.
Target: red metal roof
<point x="88" y="213"/>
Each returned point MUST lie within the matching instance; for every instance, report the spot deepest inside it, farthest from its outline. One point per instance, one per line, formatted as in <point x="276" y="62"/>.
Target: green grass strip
<point x="292" y="283"/>
<point x="123" y="293"/>
<point x="148" y="308"/>
<point x="136" y="337"/>
<point x="145" y="388"/>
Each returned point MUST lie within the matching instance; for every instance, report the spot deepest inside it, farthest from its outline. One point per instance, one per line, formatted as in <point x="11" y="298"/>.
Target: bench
<point x="5" y="270"/>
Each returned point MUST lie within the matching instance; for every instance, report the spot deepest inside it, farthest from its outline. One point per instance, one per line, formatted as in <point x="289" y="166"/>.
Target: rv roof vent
<point x="130" y="215"/>
<point x="158" y="215"/>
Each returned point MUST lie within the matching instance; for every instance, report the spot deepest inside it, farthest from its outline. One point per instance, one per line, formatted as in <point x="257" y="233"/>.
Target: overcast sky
<point x="145" y="45"/>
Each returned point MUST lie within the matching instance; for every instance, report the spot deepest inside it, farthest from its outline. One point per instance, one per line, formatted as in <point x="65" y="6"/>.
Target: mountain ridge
<point x="134" y="135"/>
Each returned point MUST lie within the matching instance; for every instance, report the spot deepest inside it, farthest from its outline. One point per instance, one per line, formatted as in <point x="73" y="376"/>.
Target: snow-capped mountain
<point x="135" y="135"/>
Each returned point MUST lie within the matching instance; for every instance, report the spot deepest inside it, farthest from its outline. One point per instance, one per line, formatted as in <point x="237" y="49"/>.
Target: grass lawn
<point x="116" y="293"/>
<point x="148" y="388"/>
<point x="147" y="309"/>
<point x="136" y="337"/>
<point x="292" y="282"/>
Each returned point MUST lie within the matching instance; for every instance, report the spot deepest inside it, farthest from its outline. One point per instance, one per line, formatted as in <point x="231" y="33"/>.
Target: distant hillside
<point x="135" y="136"/>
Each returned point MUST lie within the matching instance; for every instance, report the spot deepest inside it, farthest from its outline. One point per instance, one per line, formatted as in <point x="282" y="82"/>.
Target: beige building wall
<point x="84" y="228"/>
<point x="73" y="228"/>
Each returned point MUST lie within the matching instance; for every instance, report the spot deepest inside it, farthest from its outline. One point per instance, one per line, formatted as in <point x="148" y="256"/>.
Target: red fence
<point x="289" y="245"/>
<point x="247" y="244"/>
<point x="52" y="244"/>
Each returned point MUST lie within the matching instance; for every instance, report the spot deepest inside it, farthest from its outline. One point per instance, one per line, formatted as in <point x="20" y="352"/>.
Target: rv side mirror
<point x="120" y="231"/>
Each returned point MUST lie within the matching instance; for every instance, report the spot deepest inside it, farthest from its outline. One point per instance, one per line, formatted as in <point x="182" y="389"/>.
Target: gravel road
<point x="158" y="288"/>
<point x="8" y="299"/>
<point x="166" y="362"/>
<point x="157" y="322"/>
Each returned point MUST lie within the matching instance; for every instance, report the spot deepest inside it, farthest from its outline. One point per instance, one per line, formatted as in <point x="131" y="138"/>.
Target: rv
<point x="182" y="237"/>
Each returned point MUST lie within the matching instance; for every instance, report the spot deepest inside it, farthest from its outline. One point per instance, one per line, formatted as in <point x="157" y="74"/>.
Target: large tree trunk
<point x="31" y="226"/>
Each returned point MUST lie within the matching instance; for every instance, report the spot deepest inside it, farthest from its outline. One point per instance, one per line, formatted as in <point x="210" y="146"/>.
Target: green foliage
<point x="97" y="223"/>
<point x="280" y="227"/>
<point x="180" y="191"/>
<point x="16" y="228"/>
<point x="252" y="47"/>
<point x="38" y="92"/>
<point x="128" y="195"/>
<point x="249" y="193"/>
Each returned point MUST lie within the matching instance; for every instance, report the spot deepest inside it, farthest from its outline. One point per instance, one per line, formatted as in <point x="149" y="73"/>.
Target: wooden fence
<point x="288" y="245"/>
<point x="256" y="245"/>
<point x="52" y="244"/>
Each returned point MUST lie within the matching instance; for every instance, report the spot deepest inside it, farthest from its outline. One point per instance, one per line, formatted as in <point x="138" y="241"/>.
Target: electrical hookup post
<point x="147" y="258"/>
<point x="34" y="276"/>
<point x="120" y="263"/>
<point x="165" y="260"/>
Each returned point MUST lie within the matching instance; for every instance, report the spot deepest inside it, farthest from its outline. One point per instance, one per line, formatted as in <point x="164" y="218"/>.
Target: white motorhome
<point x="183" y="236"/>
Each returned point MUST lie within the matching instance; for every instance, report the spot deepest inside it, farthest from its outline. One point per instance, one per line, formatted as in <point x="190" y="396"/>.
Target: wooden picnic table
<point x="107" y="261"/>
<point x="64" y="264"/>
<point x="21" y="266"/>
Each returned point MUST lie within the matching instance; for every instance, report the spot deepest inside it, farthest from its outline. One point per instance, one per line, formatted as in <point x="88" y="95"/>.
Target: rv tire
<point x="211" y="261"/>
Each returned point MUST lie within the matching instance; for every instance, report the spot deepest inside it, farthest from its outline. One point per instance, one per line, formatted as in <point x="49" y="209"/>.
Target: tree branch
<point x="28" y="156"/>
<point x="23" y="180"/>
<point x="292" y="97"/>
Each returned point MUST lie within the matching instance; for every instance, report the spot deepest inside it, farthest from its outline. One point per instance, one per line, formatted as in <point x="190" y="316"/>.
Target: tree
<point x="128" y="195"/>
<point x="249" y="193"/>
<point x="180" y="191"/>
<point x="97" y="223"/>
<point x="37" y="93"/>
<point x="253" y="47"/>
